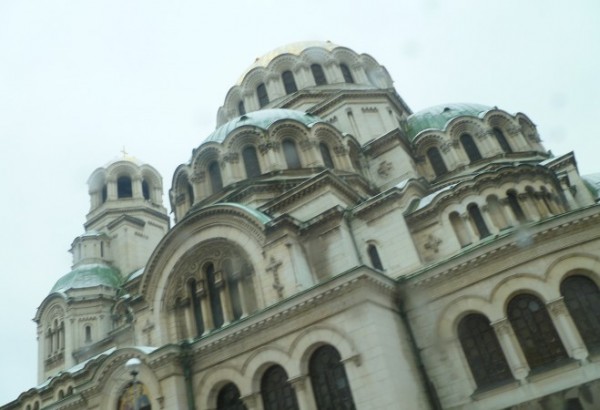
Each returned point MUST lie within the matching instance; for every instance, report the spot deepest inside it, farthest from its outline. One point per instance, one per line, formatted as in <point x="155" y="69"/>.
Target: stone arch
<point x="261" y="359"/>
<point x="253" y="79"/>
<point x="566" y="265"/>
<point x="519" y="283"/>
<point x="210" y="384"/>
<point x="455" y="310"/>
<point x="209" y="152"/>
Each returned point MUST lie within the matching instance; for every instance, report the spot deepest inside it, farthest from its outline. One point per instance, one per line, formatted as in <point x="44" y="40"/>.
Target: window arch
<point x="535" y="331"/>
<point x="145" y="189"/>
<point x="374" y="256"/>
<point x="582" y="297"/>
<point x="251" y="163"/>
<point x="502" y="140"/>
<point x="277" y="393"/>
<point x="261" y="93"/>
<point x="241" y="108"/>
<point x="124" y="188"/>
<point x="470" y="147"/>
<point x="104" y="193"/>
<point x="513" y="202"/>
<point x="229" y="398"/>
<point x="88" y="333"/>
<point x="436" y="161"/>
<point x="482" y="350"/>
<point x="346" y="73"/>
<point x="289" y="83"/>
<point x="328" y="378"/>
<point x="326" y="155"/>
<point x="478" y="221"/>
<point x="190" y="193"/>
<point x="290" y="152"/>
<point x="214" y="171"/>
<point x="318" y="74"/>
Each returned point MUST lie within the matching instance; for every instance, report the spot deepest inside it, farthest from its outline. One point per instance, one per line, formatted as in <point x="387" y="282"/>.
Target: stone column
<point x="239" y="282"/>
<point x="566" y="329"/>
<point x="223" y="298"/>
<point x="305" y="400"/>
<point x="468" y="225"/>
<point x="511" y="348"/>
<point x="252" y="401"/>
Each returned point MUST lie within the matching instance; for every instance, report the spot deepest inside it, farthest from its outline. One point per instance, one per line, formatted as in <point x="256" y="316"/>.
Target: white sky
<point x="81" y="79"/>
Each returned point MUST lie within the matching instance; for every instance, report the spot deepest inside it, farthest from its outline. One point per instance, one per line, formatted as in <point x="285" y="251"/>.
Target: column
<point x="252" y="401"/>
<point x="510" y="347"/>
<point x="223" y="298"/>
<point x="189" y="329"/>
<point x="305" y="400"/>
<point x="239" y="282"/>
<point x="566" y="329"/>
<point x="473" y="236"/>
<point x="206" y="313"/>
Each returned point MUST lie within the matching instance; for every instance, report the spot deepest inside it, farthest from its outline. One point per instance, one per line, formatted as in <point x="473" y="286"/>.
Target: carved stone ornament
<point x="384" y="169"/>
<point x="433" y="243"/>
<point x="502" y="327"/>
<point x="557" y="307"/>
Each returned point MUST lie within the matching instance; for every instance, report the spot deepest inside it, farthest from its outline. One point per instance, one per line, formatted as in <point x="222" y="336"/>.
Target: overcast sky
<point x="79" y="80"/>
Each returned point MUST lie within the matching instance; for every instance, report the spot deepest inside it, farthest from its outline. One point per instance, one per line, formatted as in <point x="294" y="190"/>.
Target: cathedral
<point x="329" y="248"/>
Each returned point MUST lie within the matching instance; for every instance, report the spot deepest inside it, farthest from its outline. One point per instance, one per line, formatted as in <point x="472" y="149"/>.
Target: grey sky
<point x="81" y="79"/>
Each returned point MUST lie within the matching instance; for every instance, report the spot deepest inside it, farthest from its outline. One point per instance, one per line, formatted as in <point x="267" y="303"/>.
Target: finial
<point x="123" y="151"/>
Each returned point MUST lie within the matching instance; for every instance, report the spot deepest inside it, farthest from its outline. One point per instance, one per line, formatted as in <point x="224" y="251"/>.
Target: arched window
<point x="251" y="162"/>
<point x="374" y="256"/>
<point x="70" y="391"/>
<point x="327" y="160"/>
<point x="459" y="229"/>
<point x="277" y="393"/>
<point x="582" y="297"/>
<point x="241" y="108"/>
<point x="288" y="82"/>
<point x="436" y="161"/>
<point x="318" y="74"/>
<point x="215" y="176"/>
<point x="145" y="189"/>
<point x="134" y="396"/>
<point x="214" y="296"/>
<point x="196" y="307"/>
<point x="478" y="221"/>
<point x="482" y="350"/>
<point x="535" y="331"/>
<point x="233" y="279"/>
<point x="104" y="193"/>
<point x="124" y="189"/>
<point x="502" y="140"/>
<point x="291" y="154"/>
<point x="61" y="395"/>
<point x="229" y="398"/>
<point x="261" y="93"/>
<point x="328" y="378"/>
<point x="190" y="192"/>
<point x="346" y="73"/>
<point x="88" y="334"/>
<point x="573" y="404"/>
<point x="470" y="147"/>
<point x="513" y="202"/>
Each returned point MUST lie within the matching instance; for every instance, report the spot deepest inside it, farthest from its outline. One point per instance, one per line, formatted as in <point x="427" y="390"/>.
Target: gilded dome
<point x="438" y="116"/>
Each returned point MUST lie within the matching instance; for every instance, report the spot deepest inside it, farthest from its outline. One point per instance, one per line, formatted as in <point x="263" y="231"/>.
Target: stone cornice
<point x="384" y="143"/>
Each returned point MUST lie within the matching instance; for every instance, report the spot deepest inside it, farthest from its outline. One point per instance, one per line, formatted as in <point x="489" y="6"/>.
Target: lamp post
<point x="133" y="365"/>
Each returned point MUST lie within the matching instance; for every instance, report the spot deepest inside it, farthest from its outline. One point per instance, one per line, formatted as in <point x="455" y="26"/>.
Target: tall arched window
<point x="251" y="163"/>
<point x="513" y="202"/>
<point x="291" y="154"/>
<point x="190" y="193"/>
<point x="482" y="350"/>
<point x="232" y="279"/>
<point x="318" y="74"/>
<point x="326" y="155"/>
<point x="145" y="189"/>
<point x="436" y="161"/>
<point x="582" y="297"/>
<point x="213" y="296"/>
<point x="229" y="398"/>
<point x="277" y="393"/>
<point x="196" y="307"/>
<point x="470" y="147"/>
<point x="346" y="73"/>
<point x="124" y="189"/>
<point x="288" y="82"/>
<point x="104" y="193"/>
<point x="261" y="93"/>
<point x="241" y="108"/>
<point x="573" y="404"/>
<point x="478" y="221"/>
<point x="214" y="172"/>
<point x="374" y="256"/>
<point x="502" y="140"/>
<point x="328" y="378"/>
<point x="535" y="331"/>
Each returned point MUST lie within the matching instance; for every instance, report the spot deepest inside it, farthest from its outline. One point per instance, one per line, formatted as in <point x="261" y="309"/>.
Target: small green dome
<point x="87" y="276"/>
<point x="437" y="117"/>
<point x="261" y="119"/>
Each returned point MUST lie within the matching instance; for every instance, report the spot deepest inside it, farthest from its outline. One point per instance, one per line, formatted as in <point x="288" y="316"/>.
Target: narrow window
<point x="241" y="108"/>
<point x="374" y="256"/>
<point x="277" y="393"/>
<point x="502" y="140"/>
<point x="291" y="154"/>
<point x="61" y="395"/>
<point x="513" y="202"/>
<point x="124" y="187"/>
<point x="104" y="193"/>
<point x="215" y="177"/>
<point x="482" y="350"/>
<point x="470" y="147"/>
<point x="88" y="334"/>
<point x="436" y="161"/>
<point x="573" y="404"/>
<point x="478" y="221"/>
<point x="145" y="189"/>
<point x="318" y="74"/>
<point x="196" y="307"/>
<point x="582" y="297"/>
<point x="229" y="398"/>
<point x="346" y="73"/>
<point x="251" y="162"/>
<point x="263" y="97"/>
<point x="233" y="282"/>
<point x="214" y="296"/>
<point x="288" y="82"/>
<point x="329" y="382"/>
<point x="190" y="193"/>
<point x="101" y="249"/>
<point x="535" y="331"/>
<point x="326" y="155"/>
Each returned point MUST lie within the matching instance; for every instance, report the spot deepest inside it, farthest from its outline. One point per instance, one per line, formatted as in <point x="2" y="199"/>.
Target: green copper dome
<point x="87" y="276"/>
<point x="437" y="117"/>
<point x="261" y="119"/>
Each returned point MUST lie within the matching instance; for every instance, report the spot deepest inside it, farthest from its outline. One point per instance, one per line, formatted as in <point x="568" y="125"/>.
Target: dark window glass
<point x="229" y="398"/>
<point x="214" y="296"/>
<point x="263" y="97"/>
<point x="374" y="256"/>
<point x="327" y="160"/>
<point x="190" y="190"/>
<point x="104" y="193"/>
<point x="436" y="161"/>
<point x="241" y="108"/>
<point x="482" y="350"/>
<point x="535" y="331"/>
<point x="88" y="334"/>
<point x="233" y="279"/>
<point x="288" y="82"/>
<point x="196" y="307"/>
<point x="502" y="140"/>
<point x="582" y="298"/>
<point x="573" y="404"/>
<point x="215" y="177"/>
<point x="291" y="154"/>
<point x="277" y="393"/>
<point x="145" y="189"/>
<point x="251" y="162"/>
<point x="329" y="382"/>
<point x="124" y="189"/>
<point x="470" y="147"/>
<point x="318" y="74"/>
<point x="513" y="202"/>
<point x="477" y="219"/>
<point x="346" y="73"/>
